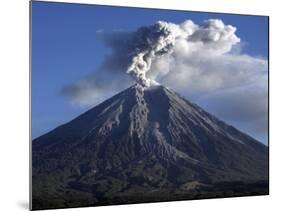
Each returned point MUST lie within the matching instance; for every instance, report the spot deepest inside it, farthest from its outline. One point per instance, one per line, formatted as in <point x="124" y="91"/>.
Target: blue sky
<point x="65" y="49"/>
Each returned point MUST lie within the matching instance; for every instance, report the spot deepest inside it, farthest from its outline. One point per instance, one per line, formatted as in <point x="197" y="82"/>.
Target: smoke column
<point x="151" y="42"/>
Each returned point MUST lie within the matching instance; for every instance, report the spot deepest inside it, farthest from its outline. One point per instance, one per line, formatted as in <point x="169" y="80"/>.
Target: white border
<point x="14" y="112"/>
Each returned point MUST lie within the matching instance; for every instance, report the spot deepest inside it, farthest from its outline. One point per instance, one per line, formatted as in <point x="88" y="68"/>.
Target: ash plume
<point x="150" y="43"/>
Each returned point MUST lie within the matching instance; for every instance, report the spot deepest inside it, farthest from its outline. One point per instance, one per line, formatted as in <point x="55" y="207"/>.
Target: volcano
<point x="145" y="145"/>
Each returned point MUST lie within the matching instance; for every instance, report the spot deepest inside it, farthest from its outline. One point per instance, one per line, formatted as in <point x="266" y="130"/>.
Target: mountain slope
<point x="145" y="145"/>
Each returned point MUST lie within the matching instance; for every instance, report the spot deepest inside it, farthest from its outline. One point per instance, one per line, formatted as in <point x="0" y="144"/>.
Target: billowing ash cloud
<point x="150" y="43"/>
<point x="201" y="62"/>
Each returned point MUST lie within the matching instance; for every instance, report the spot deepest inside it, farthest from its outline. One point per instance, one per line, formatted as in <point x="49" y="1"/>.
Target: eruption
<point x="152" y="42"/>
<point x="199" y="61"/>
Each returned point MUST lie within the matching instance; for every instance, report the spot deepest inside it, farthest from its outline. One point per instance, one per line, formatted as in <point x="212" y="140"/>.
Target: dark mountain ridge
<point x="143" y="142"/>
